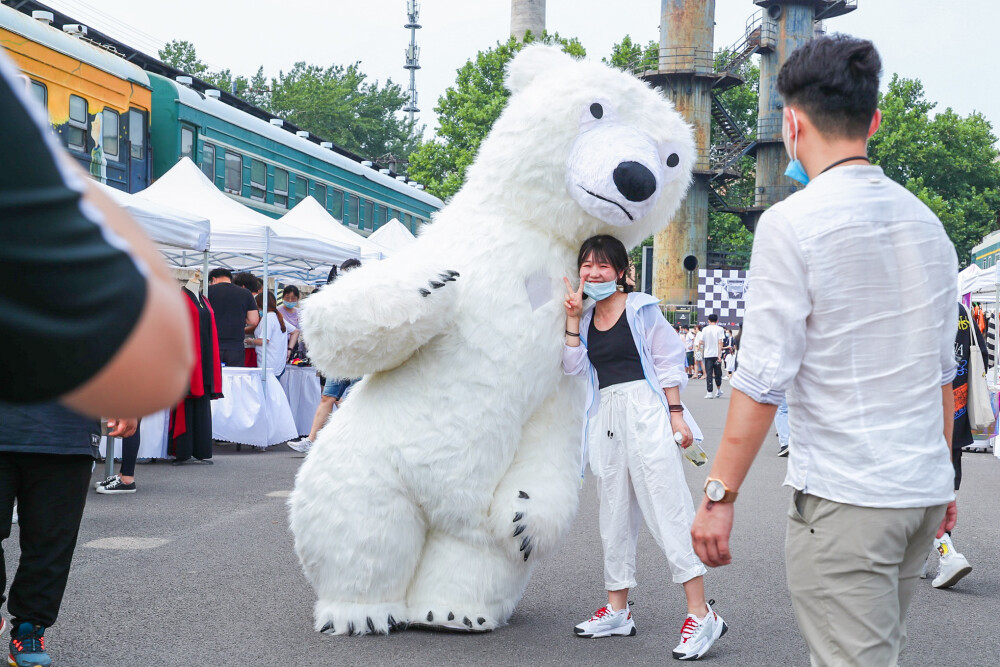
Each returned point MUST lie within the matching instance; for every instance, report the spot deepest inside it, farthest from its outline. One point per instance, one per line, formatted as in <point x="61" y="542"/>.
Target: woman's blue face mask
<point x="600" y="291"/>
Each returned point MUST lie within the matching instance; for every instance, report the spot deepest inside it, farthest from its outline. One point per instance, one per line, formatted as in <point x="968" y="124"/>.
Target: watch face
<point x="715" y="490"/>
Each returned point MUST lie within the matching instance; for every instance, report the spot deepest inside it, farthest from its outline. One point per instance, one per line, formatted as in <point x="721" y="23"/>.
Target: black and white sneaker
<point x="105" y="482"/>
<point x="116" y="486"/>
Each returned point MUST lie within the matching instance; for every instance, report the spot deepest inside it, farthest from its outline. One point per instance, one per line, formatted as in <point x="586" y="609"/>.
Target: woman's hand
<point x="574" y="299"/>
<point x="678" y="425"/>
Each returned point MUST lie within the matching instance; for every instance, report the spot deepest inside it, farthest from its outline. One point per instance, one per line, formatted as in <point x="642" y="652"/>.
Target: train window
<point x="407" y="220"/>
<point x="187" y="143"/>
<point x="40" y="93"/>
<point x="110" y="132"/>
<point x="369" y="215"/>
<point x="137" y="133"/>
<point x="208" y="161"/>
<point x="258" y="180"/>
<point x="351" y="215"/>
<point x="234" y="173"/>
<point x="386" y="214"/>
<point x="301" y="188"/>
<point x="281" y="188"/>
<point x="319" y="192"/>
<point x="76" y="132"/>
<point x="337" y="205"/>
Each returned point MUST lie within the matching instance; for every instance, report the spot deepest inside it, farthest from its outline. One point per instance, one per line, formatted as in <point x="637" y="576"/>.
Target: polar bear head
<point x="584" y="149"/>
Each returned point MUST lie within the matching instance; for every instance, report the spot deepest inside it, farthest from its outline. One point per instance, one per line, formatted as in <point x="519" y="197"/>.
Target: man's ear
<point x="876" y="123"/>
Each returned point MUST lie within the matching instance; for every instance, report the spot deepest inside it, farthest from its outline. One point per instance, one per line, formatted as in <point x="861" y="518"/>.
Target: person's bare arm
<point x="253" y="319"/>
<point x="948" y="407"/>
<point x="153" y="366"/>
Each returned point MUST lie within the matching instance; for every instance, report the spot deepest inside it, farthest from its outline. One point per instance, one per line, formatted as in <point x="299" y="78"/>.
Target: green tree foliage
<point x="336" y="102"/>
<point x="631" y="57"/>
<point x="948" y="161"/>
<point x="466" y="113"/>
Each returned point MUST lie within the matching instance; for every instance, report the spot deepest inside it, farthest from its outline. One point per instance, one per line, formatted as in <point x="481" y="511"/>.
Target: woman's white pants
<point x="640" y="475"/>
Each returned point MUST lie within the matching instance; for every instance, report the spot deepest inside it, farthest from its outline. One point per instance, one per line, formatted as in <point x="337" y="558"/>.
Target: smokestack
<point x="527" y="15"/>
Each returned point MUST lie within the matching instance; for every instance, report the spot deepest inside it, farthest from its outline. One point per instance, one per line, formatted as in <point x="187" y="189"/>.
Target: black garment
<point x="205" y="337"/>
<point x="48" y="428"/>
<point x="956" y="463"/>
<point x="197" y="439"/>
<point x="233" y="356"/>
<point x="613" y="353"/>
<point x="962" y="433"/>
<point x="713" y="366"/>
<point x="72" y="298"/>
<point x="231" y="304"/>
<point x="130" y="453"/>
<point x="51" y="491"/>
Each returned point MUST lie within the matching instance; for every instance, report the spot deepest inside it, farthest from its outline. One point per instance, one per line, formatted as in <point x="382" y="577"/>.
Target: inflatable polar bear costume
<point x="453" y="467"/>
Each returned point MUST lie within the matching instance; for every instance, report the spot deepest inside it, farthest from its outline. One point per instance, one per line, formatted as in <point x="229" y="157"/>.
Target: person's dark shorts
<point x="232" y="356"/>
<point x="690" y="358"/>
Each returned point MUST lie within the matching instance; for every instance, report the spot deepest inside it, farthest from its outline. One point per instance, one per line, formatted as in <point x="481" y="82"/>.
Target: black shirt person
<point x="234" y="309"/>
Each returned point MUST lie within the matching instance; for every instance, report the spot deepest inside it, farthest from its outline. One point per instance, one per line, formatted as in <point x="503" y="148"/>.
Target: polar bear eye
<point x="596" y="110"/>
<point x="673" y="160"/>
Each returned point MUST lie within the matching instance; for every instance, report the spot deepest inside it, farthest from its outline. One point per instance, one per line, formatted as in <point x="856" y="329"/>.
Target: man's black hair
<point x="713" y="318"/>
<point x="350" y="264"/>
<point x="835" y="81"/>
<point x="605" y="248"/>
<point x="245" y="279"/>
<point x="220" y="273"/>
<point x="290" y="289"/>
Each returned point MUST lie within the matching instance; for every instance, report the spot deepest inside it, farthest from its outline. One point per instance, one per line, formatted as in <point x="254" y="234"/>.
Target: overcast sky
<point x="947" y="45"/>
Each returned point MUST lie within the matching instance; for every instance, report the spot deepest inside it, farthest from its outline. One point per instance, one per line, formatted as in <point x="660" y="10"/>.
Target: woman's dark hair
<point x="350" y="264"/>
<point x="835" y="80"/>
<point x="332" y="275"/>
<point x="290" y="289"/>
<point x="272" y="307"/>
<point x="605" y="248"/>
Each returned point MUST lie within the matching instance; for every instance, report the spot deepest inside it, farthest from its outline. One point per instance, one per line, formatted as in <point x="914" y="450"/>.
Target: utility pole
<point x="527" y="16"/>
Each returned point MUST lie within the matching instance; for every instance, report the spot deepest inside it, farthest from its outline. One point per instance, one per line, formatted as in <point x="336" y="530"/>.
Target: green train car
<point x="270" y="169"/>
<point x="986" y="254"/>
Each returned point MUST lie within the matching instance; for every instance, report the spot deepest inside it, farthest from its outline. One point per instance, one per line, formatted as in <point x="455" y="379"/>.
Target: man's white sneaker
<point x="607" y="622"/>
<point x="718" y="394"/>
<point x="952" y="567"/>
<point x="698" y="634"/>
<point x="709" y="395"/>
<point x="303" y="445"/>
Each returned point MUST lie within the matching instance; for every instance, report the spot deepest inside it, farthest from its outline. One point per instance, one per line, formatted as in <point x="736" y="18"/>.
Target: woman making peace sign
<point x="636" y="361"/>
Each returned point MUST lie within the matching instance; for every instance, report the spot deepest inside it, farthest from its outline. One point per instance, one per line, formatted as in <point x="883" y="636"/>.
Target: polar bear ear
<point x="532" y="61"/>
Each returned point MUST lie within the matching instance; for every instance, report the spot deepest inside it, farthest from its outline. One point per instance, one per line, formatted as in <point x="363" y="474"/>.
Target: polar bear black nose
<point x="634" y="181"/>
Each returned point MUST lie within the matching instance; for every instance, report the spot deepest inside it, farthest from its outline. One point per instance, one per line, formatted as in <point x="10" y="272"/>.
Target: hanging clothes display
<point x="191" y="420"/>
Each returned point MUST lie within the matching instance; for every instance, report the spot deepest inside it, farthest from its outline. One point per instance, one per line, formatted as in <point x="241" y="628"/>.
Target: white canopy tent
<point x="165" y="225"/>
<point x="240" y="237"/>
<point x="979" y="282"/>
<point x="392" y="236"/>
<point x="311" y="219"/>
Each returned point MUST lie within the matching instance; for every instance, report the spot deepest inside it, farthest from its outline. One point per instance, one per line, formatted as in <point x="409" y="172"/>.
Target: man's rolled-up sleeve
<point x="774" y="324"/>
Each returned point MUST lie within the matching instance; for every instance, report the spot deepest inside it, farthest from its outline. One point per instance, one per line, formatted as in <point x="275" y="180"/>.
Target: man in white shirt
<point x="871" y="468"/>
<point x="712" y="337"/>
<point x="688" y="339"/>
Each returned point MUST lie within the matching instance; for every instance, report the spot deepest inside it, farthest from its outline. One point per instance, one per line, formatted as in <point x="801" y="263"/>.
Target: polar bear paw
<point x="442" y="279"/>
<point x="521" y="529"/>
<point x="456" y="619"/>
<point x="359" y="619"/>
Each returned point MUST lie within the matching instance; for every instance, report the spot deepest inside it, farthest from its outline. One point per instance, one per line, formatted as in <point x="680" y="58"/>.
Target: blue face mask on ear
<point x="795" y="170"/>
<point x="600" y="291"/>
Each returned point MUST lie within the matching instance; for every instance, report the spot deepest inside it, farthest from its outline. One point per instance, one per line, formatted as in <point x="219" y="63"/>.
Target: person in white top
<point x="711" y="340"/>
<point x="870" y="465"/>
<point x="699" y="350"/>
<point x="281" y="337"/>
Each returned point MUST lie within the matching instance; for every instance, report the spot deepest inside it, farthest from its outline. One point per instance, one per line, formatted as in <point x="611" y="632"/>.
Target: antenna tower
<point x="412" y="54"/>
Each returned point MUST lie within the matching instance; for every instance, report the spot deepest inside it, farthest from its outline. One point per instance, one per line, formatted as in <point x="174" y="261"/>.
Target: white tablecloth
<point x="245" y="417"/>
<point x="152" y="437"/>
<point x="301" y="385"/>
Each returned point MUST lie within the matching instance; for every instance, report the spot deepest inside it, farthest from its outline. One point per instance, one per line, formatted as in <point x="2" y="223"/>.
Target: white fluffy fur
<point x="405" y="506"/>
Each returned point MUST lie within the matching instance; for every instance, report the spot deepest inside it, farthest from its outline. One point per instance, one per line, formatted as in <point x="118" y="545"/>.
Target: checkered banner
<point x="723" y="292"/>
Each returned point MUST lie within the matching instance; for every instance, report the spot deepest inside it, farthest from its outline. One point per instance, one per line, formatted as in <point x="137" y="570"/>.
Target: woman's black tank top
<point x="613" y="353"/>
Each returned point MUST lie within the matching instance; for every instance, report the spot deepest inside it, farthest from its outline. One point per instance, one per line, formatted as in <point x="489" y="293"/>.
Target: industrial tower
<point x="689" y="73"/>
<point x="412" y="55"/>
<point x="527" y="15"/>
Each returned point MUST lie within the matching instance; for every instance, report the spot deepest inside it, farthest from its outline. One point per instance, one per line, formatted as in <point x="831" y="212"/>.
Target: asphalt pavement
<point x="197" y="568"/>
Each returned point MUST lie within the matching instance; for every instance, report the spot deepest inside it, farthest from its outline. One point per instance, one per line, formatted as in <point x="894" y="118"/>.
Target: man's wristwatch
<point x="718" y="492"/>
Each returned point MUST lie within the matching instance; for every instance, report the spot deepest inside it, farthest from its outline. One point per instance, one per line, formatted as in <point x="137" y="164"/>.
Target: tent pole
<point x="204" y="273"/>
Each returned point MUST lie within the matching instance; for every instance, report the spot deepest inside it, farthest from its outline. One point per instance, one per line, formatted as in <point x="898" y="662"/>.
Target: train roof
<point x="989" y="240"/>
<point x="78" y="48"/>
<point x="219" y="109"/>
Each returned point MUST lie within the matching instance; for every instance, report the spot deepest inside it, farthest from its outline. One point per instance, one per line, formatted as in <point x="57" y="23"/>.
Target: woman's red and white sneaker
<point x="698" y="634"/>
<point x="606" y="622"/>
